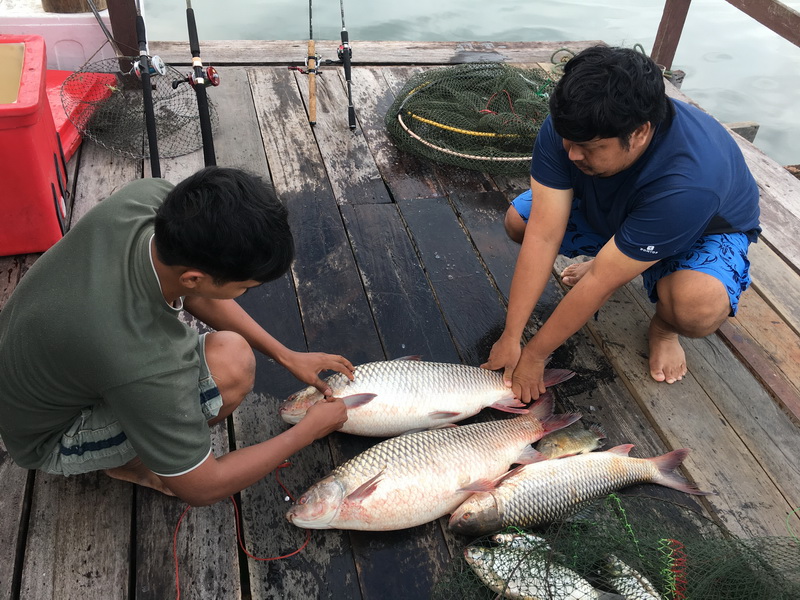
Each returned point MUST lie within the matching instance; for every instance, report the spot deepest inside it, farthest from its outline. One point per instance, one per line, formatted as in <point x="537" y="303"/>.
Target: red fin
<point x="366" y="488"/>
<point x="556" y="376"/>
<point x="598" y="430"/>
<point x="667" y="463"/>
<point x="556" y="422"/>
<point x="511" y="405"/>
<point x="357" y="400"/>
<point x="542" y="409"/>
<point x="529" y="456"/>
<point x="623" y="450"/>
<point x="410" y="357"/>
<point x="479" y="485"/>
<point x="443" y="414"/>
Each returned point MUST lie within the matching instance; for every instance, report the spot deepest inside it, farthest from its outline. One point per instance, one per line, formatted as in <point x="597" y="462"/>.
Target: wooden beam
<point x="122" y="14"/>
<point x="669" y="31"/>
<point x="781" y="19"/>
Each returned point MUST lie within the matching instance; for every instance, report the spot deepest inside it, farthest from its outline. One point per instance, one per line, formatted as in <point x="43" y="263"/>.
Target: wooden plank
<point x="293" y="52"/>
<point x="14" y="523"/>
<point x="9" y="277"/>
<point x="79" y="538"/>
<point x="374" y="90"/>
<point x="780" y="18"/>
<point x="684" y="415"/>
<point x="777" y="282"/>
<point x="341" y="148"/>
<point x="669" y="31"/>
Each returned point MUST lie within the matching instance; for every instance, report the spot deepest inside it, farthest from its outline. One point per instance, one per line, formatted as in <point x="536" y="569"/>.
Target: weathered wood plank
<point x="78" y="539"/>
<point x="777" y="282"/>
<point x="14" y="481"/>
<point x="293" y="52"/>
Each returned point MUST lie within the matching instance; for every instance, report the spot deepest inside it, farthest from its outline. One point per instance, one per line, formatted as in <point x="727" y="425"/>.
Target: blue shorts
<point x="721" y="255"/>
<point x="95" y="441"/>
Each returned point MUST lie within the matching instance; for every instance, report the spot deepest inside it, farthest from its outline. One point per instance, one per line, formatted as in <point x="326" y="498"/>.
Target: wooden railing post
<point x="122" y="14"/>
<point x="669" y="31"/>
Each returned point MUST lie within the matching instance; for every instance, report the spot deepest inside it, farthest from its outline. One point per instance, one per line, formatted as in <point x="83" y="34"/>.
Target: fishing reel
<point x="318" y="62"/>
<point x="344" y="50"/>
<point x="157" y="66"/>
<point x="211" y="78"/>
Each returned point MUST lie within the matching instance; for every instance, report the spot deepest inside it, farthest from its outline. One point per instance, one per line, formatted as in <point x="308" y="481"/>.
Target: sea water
<point x="736" y="68"/>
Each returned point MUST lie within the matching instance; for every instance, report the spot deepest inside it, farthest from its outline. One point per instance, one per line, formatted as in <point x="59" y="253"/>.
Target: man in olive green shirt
<point x="97" y="371"/>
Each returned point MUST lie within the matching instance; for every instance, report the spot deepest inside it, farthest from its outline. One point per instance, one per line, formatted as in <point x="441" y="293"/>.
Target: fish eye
<point x="302" y="500"/>
<point x="466" y="516"/>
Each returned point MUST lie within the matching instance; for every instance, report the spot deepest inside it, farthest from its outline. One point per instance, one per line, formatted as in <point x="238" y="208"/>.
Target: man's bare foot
<point x="135" y="472"/>
<point x="667" y="358"/>
<point x="572" y="273"/>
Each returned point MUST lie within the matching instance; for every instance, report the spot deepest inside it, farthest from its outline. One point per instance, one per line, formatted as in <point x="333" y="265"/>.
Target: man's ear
<point x="640" y="135"/>
<point x="192" y="278"/>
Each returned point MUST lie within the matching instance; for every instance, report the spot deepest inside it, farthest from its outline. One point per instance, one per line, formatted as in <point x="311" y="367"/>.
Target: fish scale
<point x="387" y="398"/>
<point x="416" y="478"/>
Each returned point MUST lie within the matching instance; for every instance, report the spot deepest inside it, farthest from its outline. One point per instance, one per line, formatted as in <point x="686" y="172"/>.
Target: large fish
<point x="546" y="491"/>
<point x="529" y="574"/>
<point x="416" y="478"/>
<point x="388" y="398"/>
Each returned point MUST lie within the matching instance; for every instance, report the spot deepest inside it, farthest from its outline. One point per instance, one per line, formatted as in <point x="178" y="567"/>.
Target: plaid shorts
<point x="95" y="441"/>
<point x="721" y="255"/>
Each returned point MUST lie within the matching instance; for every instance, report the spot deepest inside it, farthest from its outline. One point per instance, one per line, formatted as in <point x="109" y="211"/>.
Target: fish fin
<point x="556" y="422"/>
<point x="441" y="426"/>
<point x="624" y="450"/>
<point x="479" y="485"/>
<point x="598" y="430"/>
<point x="443" y="414"/>
<point x="357" y="400"/>
<point x="529" y="456"/>
<point x="365" y="489"/>
<point x="556" y="376"/>
<point x="511" y="404"/>
<point x="409" y="357"/>
<point x="542" y="409"/>
<point x="668" y="477"/>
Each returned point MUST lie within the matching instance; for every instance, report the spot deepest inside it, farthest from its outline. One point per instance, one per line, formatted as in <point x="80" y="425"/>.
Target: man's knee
<point x="232" y="364"/>
<point x="695" y="306"/>
<point x="515" y="225"/>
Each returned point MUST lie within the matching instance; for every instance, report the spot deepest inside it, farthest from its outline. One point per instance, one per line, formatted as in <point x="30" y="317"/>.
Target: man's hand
<point x="324" y="417"/>
<point x="307" y="366"/>
<point x="504" y="355"/>
<point x="528" y="378"/>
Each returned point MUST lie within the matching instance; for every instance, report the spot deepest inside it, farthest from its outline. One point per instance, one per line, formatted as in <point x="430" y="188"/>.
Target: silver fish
<point x="547" y="491"/>
<point x="523" y="574"/>
<point x="416" y="478"/>
<point x="628" y="581"/>
<point x="524" y="541"/>
<point x="392" y="397"/>
<point x="571" y="440"/>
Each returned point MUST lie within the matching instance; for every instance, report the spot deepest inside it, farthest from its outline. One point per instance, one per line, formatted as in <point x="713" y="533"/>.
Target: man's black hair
<point x="226" y="223"/>
<point x="608" y="92"/>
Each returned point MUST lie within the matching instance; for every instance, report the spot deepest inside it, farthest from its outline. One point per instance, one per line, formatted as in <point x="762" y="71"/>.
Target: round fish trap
<point x="104" y="101"/>
<point x="483" y="117"/>
<point x="635" y="548"/>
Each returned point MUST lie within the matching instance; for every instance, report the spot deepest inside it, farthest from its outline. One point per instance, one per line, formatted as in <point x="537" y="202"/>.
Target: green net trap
<point x="634" y="548"/>
<point x="483" y="117"/>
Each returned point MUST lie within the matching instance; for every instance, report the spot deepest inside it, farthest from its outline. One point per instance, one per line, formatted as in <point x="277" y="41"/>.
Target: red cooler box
<point x="33" y="189"/>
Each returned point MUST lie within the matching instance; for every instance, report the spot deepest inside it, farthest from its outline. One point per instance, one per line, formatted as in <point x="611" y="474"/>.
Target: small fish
<point x="522" y="574"/>
<point x="550" y="490"/>
<point x="628" y="581"/>
<point x="392" y="397"/>
<point x="524" y="541"/>
<point x="571" y="440"/>
<point x="415" y="478"/>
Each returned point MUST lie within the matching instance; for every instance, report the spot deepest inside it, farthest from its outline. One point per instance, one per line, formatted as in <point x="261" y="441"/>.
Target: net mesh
<point x="635" y="548"/>
<point x="104" y="101"/>
<point x="483" y="117"/>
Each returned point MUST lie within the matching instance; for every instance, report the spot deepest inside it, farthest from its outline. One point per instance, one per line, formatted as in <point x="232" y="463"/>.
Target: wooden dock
<point x="399" y="256"/>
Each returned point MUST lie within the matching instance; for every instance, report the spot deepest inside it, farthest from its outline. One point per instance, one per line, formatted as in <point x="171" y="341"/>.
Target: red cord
<point x="238" y="534"/>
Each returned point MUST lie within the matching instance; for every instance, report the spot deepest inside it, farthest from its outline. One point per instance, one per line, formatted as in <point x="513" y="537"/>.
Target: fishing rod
<point x="142" y="69"/>
<point x="200" y="78"/>
<point x="345" y="55"/>
<point x="311" y="71"/>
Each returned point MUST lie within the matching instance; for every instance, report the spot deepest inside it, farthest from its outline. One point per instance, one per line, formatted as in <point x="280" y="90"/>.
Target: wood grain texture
<point x="14" y="480"/>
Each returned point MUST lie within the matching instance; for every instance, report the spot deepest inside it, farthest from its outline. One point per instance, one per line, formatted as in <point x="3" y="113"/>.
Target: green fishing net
<point x="483" y="117"/>
<point x="636" y="548"/>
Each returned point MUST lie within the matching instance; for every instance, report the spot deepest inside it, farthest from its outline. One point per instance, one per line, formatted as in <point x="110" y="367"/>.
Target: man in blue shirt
<point x="646" y="185"/>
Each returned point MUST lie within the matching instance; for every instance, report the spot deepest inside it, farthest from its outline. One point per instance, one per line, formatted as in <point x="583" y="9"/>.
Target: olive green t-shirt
<point x="88" y="323"/>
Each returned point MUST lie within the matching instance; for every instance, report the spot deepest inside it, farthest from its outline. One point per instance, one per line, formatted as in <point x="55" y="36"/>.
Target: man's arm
<point x="217" y="478"/>
<point x="227" y="315"/>
<point x="608" y="272"/>
<point x="550" y="211"/>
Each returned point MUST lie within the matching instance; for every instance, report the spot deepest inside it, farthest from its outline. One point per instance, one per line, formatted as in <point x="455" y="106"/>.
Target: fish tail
<point x="669" y="477"/>
<point x="556" y="376"/>
<point x="542" y="411"/>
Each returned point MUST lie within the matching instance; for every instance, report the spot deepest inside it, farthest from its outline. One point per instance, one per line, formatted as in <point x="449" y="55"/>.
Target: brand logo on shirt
<point x="649" y="250"/>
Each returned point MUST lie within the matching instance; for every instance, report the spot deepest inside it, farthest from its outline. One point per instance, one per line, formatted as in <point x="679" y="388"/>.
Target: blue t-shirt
<point x="691" y="181"/>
